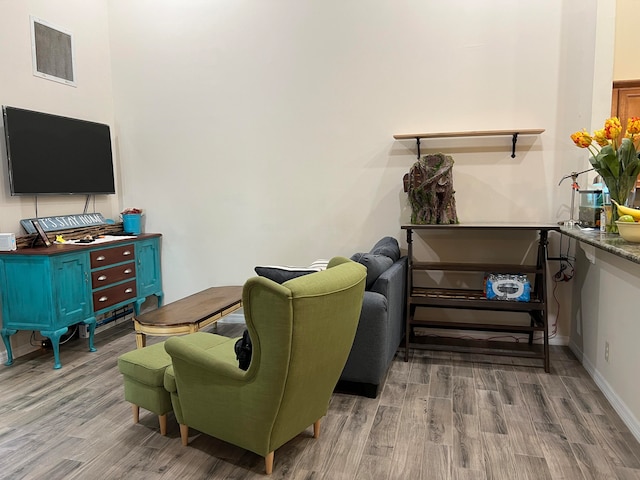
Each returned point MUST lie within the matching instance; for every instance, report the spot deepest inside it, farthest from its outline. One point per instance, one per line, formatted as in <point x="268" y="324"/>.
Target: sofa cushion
<point x="387" y="246"/>
<point x="282" y="273"/>
<point x="376" y="264"/>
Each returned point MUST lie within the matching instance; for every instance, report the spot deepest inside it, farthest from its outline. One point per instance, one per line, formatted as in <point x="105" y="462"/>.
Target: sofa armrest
<point x="367" y="359"/>
<point x="391" y="283"/>
<point x="380" y="328"/>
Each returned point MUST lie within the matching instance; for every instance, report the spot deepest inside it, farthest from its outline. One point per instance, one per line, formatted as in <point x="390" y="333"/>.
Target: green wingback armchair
<point x="301" y="331"/>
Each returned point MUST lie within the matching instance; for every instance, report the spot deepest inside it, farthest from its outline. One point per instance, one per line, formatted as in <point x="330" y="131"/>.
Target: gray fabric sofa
<point x="382" y="321"/>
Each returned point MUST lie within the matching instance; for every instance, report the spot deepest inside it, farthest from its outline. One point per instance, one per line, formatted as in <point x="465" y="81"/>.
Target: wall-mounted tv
<point x="55" y="155"/>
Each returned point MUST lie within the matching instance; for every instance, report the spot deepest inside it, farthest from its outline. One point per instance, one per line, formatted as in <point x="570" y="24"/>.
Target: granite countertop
<point x="612" y="243"/>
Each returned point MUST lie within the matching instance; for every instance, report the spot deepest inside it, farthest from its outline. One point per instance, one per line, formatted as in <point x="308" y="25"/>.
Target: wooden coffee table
<point x="188" y="314"/>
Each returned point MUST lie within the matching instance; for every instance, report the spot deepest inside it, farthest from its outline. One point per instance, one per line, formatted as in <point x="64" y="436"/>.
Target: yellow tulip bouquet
<point x="615" y="161"/>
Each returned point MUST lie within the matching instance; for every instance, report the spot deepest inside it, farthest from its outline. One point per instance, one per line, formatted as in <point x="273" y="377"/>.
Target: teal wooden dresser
<point x="51" y="289"/>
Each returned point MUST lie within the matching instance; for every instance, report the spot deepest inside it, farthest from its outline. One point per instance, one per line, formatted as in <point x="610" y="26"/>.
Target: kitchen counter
<point x="604" y="317"/>
<point x="612" y="243"/>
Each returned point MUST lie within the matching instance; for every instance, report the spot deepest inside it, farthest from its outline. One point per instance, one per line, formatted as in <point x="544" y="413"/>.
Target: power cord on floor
<point x="564" y="274"/>
<point x="46" y="341"/>
<point x="566" y="271"/>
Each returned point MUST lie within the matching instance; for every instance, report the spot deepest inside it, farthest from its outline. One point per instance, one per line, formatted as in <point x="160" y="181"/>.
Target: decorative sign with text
<point x="64" y="222"/>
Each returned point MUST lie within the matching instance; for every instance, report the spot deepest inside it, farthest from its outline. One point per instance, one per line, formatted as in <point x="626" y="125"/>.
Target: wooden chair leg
<point x="136" y="413"/>
<point x="316" y="429"/>
<point x="163" y="424"/>
<point x="268" y="463"/>
<point x="184" y="434"/>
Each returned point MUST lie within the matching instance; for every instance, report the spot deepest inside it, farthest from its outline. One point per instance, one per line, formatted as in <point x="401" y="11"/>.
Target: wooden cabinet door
<point x="44" y="292"/>
<point x="625" y="103"/>
<point x="148" y="273"/>
<point x="25" y="283"/>
<point x="72" y="288"/>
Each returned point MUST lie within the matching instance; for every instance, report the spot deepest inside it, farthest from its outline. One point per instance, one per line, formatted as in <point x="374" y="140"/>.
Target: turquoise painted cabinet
<point x="51" y="289"/>
<point x="47" y="294"/>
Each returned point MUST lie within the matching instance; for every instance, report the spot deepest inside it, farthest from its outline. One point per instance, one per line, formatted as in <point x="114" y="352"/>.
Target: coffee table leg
<point x="141" y="340"/>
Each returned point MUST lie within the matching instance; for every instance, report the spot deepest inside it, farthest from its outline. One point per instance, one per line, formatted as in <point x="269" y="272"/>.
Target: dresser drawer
<point x="102" y="278"/>
<point x="112" y="295"/>
<point x="109" y="256"/>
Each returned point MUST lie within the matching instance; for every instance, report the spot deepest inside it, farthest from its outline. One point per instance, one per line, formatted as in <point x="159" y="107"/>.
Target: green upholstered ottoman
<point x="143" y="371"/>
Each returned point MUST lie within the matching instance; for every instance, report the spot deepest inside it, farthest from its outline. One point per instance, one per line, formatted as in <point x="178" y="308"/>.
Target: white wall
<point x="258" y="132"/>
<point x="92" y="99"/>
<point x="261" y="132"/>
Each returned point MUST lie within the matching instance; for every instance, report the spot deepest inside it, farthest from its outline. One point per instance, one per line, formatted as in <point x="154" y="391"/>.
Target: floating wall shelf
<point x="475" y="133"/>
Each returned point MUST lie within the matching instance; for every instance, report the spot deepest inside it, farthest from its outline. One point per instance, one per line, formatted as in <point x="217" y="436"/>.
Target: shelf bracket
<point x="513" y="145"/>
<point x="418" y="145"/>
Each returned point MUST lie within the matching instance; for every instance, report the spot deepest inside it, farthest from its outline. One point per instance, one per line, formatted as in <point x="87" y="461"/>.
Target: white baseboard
<point x="558" y="340"/>
<point x="576" y="351"/>
<point x="616" y="402"/>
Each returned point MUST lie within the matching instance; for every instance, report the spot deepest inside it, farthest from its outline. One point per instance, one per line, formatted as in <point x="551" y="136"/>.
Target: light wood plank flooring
<point x="440" y="416"/>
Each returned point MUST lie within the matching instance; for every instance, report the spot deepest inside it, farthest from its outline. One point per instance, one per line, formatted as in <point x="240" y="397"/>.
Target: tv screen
<point x="49" y="154"/>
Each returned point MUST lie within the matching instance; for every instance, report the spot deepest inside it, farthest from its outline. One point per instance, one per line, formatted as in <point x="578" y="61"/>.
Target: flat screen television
<point x="55" y="155"/>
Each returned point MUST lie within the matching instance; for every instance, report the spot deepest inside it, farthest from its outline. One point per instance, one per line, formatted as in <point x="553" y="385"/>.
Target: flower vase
<point x="620" y="190"/>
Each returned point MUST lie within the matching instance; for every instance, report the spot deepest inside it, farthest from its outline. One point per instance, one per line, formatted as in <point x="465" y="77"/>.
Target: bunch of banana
<point x="622" y="210"/>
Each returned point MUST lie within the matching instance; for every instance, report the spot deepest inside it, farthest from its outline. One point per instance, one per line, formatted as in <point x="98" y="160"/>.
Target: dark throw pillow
<point x="282" y="274"/>
<point x="376" y="264"/>
<point x="387" y="246"/>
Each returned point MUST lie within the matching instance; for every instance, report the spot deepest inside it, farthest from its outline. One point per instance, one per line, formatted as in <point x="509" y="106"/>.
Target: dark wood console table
<point x="470" y="299"/>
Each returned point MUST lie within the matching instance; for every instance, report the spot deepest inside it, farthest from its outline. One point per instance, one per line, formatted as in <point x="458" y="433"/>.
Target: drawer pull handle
<point x="128" y="270"/>
<point x="128" y="290"/>
<point x="102" y="278"/>
<point x="103" y="298"/>
<point x="100" y="258"/>
<point x="126" y="252"/>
